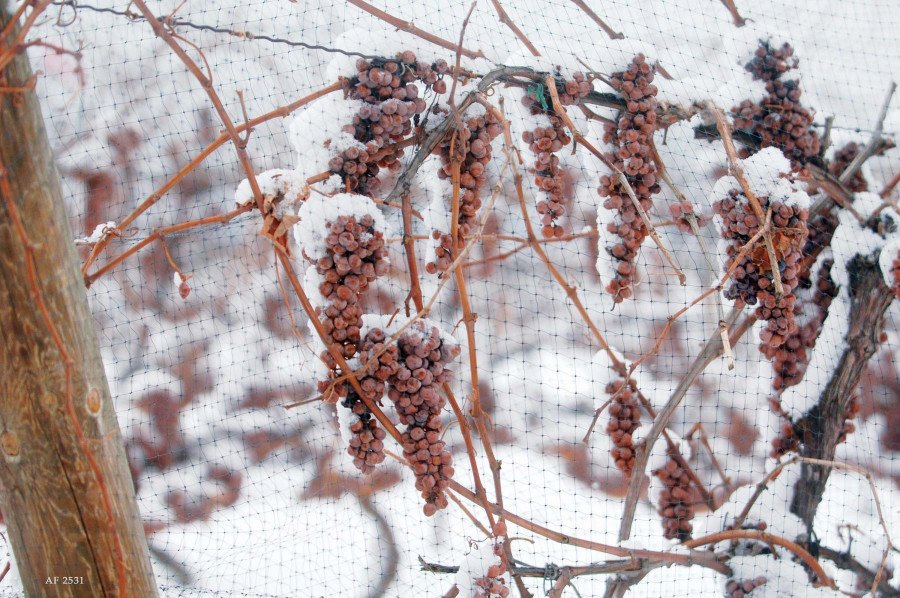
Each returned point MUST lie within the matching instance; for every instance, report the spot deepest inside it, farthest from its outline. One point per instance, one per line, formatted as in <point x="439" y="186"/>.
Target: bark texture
<point x="52" y="425"/>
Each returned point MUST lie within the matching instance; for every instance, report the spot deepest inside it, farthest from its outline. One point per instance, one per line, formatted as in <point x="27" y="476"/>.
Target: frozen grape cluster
<point x="366" y="444"/>
<point x="493" y="583"/>
<point x="354" y="256"/>
<point x="738" y="589"/>
<point x="422" y="360"/>
<point x="841" y="160"/>
<point x="631" y="135"/>
<point x="753" y="278"/>
<point x="545" y="142"/>
<point x="470" y="146"/>
<point x="675" y="501"/>
<point x="791" y="358"/>
<point x="392" y="103"/>
<point x="778" y="120"/>
<point x="624" y="419"/>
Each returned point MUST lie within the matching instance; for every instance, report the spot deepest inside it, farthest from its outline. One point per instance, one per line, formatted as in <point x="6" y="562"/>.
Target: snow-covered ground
<point x="228" y="353"/>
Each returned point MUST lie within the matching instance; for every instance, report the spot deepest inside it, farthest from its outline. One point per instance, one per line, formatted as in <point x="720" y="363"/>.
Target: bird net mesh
<point x="561" y="337"/>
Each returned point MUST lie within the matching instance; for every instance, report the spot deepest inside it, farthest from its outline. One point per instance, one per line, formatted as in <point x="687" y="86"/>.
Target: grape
<point x="631" y="136"/>
<point x="624" y="419"/>
<point x="355" y="255"/>
<point x="546" y="143"/>
<point x="472" y="148"/>
<point x="675" y="502"/>
<point x="391" y="102"/>
<point x="738" y="589"/>
<point x="779" y="120"/>
<point x="492" y="584"/>
<point x="842" y="159"/>
<point x="421" y="368"/>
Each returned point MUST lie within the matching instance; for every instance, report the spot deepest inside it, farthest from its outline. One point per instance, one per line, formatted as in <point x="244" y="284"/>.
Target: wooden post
<point x="65" y="488"/>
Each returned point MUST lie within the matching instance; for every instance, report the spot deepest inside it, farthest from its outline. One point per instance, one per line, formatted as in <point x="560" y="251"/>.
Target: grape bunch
<point x="366" y="444"/>
<point x="471" y="147"/>
<point x="675" y="502"/>
<point x="391" y="101"/>
<point x="632" y="136"/>
<point x="778" y="120"/>
<point x="739" y="589"/>
<point x="422" y="359"/>
<point x="492" y="584"/>
<point x="546" y="142"/>
<point x="841" y="160"/>
<point x="752" y="280"/>
<point x="791" y="358"/>
<point x="624" y="419"/>
<point x="355" y="255"/>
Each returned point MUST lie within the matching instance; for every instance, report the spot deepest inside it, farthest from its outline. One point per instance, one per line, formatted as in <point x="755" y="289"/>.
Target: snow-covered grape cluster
<point x="632" y="135"/>
<point x="422" y="360"/>
<point x="675" y="500"/>
<point x="391" y="99"/>
<point x="493" y="583"/>
<point x="366" y="444"/>
<point x="354" y="256"/>
<point x="791" y="358"/>
<point x="471" y="147"/>
<point x="624" y="419"/>
<point x="545" y="142"/>
<point x="752" y="280"/>
<point x="778" y="120"/>
<point x="739" y="589"/>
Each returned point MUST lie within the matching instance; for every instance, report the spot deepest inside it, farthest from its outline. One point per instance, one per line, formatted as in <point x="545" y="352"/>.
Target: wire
<point x="174" y="22"/>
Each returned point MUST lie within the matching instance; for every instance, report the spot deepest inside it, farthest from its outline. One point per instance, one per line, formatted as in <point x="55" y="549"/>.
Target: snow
<point x="543" y="371"/>
<point x="318" y="211"/>
<point x="889" y="253"/>
<point x="289" y="184"/>
<point x="101" y="231"/>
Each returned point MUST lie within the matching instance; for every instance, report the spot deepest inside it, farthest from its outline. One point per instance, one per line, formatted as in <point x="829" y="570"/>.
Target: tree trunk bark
<point x="65" y="488"/>
<point x="821" y="428"/>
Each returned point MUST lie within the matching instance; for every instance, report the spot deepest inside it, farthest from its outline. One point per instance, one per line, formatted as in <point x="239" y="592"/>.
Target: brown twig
<point x="410" y="28"/>
<point x="737" y="171"/>
<point x="221" y="140"/>
<point x="739" y="21"/>
<point x="710" y="352"/>
<point x="613" y="34"/>
<point x="160" y="234"/>
<point x="695" y="228"/>
<point x="560" y="111"/>
<point x="504" y="18"/>
<point x="874" y="140"/>
<point x="753" y="534"/>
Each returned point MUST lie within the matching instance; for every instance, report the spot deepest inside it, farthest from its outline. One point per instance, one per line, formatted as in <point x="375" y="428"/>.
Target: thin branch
<point x="221" y="140"/>
<point x="410" y="28"/>
<point x="737" y="171"/>
<point x="560" y="111"/>
<point x="873" y="143"/>
<point x="739" y="21"/>
<point x="613" y="34"/>
<point x="504" y="18"/>
<point x="711" y="351"/>
<point x="159" y="234"/>
<point x="753" y="534"/>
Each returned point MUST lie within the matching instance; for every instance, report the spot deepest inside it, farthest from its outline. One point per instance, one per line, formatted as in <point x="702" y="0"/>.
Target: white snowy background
<point x="138" y="116"/>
